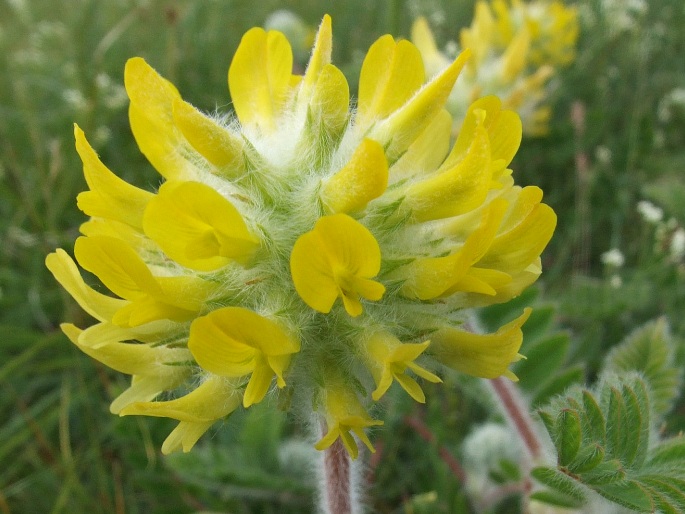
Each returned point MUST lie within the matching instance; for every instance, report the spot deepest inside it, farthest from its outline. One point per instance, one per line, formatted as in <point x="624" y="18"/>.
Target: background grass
<point x="62" y="62"/>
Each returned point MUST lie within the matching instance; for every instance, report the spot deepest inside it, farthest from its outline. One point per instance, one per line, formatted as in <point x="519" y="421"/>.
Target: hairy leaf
<point x="650" y="351"/>
<point x="568" y="436"/>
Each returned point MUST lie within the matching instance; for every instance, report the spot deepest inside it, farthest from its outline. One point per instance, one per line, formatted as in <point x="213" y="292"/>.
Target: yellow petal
<point x="184" y="436"/>
<point x="122" y="270"/>
<point x="336" y="258"/>
<point x="422" y="37"/>
<point x="145" y="388"/>
<point x="109" y="196"/>
<point x="118" y="266"/>
<point x="319" y="60"/>
<point x="65" y="271"/>
<point x="432" y="277"/>
<point x="329" y="104"/>
<point x="234" y="342"/>
<point x="129" y="358"/>
<point x="503" y="127"/>
<point x="478" y="37"/>
<point x="402" y="127"/>
<point x="214" y="399"/>
<point x="428" y="151"/>
<point x="391" y="73"/>
<point x="215" y="143"/>
<point x="456" y="190"/>
<point x="515" y="56"/>
<point x="362" y="179"/>
<point x="105" y="227"/>
<point x="151" y="118"/>
<point x="197" y="227"/>
<point x="516" y="249"/>
<point x="344" y="414"/>
<point x="259" y="383"/>
<point x="259" y="78"/>
<point x="480" y="355"/>
<point x="412" y="387"/>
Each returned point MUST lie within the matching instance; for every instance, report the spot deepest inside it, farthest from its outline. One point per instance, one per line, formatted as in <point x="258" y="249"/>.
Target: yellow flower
<point x="389" y="359"/>
<point x="344" y="416"/>
<point x="516" y="47"/>
<point x="225" y="281"/>
<point x="337" y="258"/>
<point x="481" y="355"/>
<point x="196" y="411"/>
<point x="234" y="342"/>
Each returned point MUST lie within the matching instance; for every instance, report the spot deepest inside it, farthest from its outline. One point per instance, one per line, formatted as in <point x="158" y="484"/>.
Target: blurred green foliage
<point x="617" y="137"/>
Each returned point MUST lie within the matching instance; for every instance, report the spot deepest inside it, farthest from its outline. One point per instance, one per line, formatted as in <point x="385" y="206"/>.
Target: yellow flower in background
<point x="302" y="247"/>
<point x="516" y="48"/>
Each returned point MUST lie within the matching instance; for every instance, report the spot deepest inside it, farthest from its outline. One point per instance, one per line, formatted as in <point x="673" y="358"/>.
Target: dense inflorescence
<point x="303" y="248"/>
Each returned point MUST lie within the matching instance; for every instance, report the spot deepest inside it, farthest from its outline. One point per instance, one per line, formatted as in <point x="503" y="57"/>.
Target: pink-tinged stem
<point x="517" y="413"/>
<point x="337" y="479"/>
<point x="425" y="433"/>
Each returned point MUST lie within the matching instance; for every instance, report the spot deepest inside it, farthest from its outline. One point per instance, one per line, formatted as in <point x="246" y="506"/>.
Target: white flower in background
<point x="675" y="99"/>
<point x="678" y="244"/>
<point x="650" y="212"/>
<point x="613" y="258"/>
<point x="621" y="15"/>
<point x="484" y="449"/>
<point x="615" y="281"/>
<point x="603" y="154"/>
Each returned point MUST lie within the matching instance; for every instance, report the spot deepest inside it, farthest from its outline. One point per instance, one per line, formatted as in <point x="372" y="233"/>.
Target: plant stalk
<point x="516" y="411"/>
<point x="337" y="491"/>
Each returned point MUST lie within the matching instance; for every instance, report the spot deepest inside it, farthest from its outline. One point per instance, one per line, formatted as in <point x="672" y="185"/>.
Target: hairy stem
<point x="337" y="480"/>
<point x="517" y="413"/>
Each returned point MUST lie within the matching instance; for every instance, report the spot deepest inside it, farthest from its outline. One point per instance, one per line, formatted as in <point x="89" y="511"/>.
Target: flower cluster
<point x="516" y="48"/>
<point x="301" y="248"/>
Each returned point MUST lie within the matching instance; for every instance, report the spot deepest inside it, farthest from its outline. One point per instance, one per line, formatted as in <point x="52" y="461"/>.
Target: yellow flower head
<point x="301" y="236"/>
<point x="516" y="48"/>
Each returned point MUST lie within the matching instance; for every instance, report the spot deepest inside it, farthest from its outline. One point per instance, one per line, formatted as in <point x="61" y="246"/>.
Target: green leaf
<point x="637" y="403"/>
<point x="547" y="420"/>
<point x="650" y="351"/>
<point x="667" y="454"/>
<point x="537" y="325"/>
<point x="606" y="472"/>
<point x="558" y="481"/>
<point x="594" y="419"/>
<point x="616" y="418"/>
<point x="567" y="436"/>
<point x="557" y="384"/>
<point x="668" y="493"/>
<point x="556" y="499"/>
<point x="543" y="360"/>
<point x="494" y="316"/>
<point x="587" y="459"/>
<point x="629" y="494"/>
